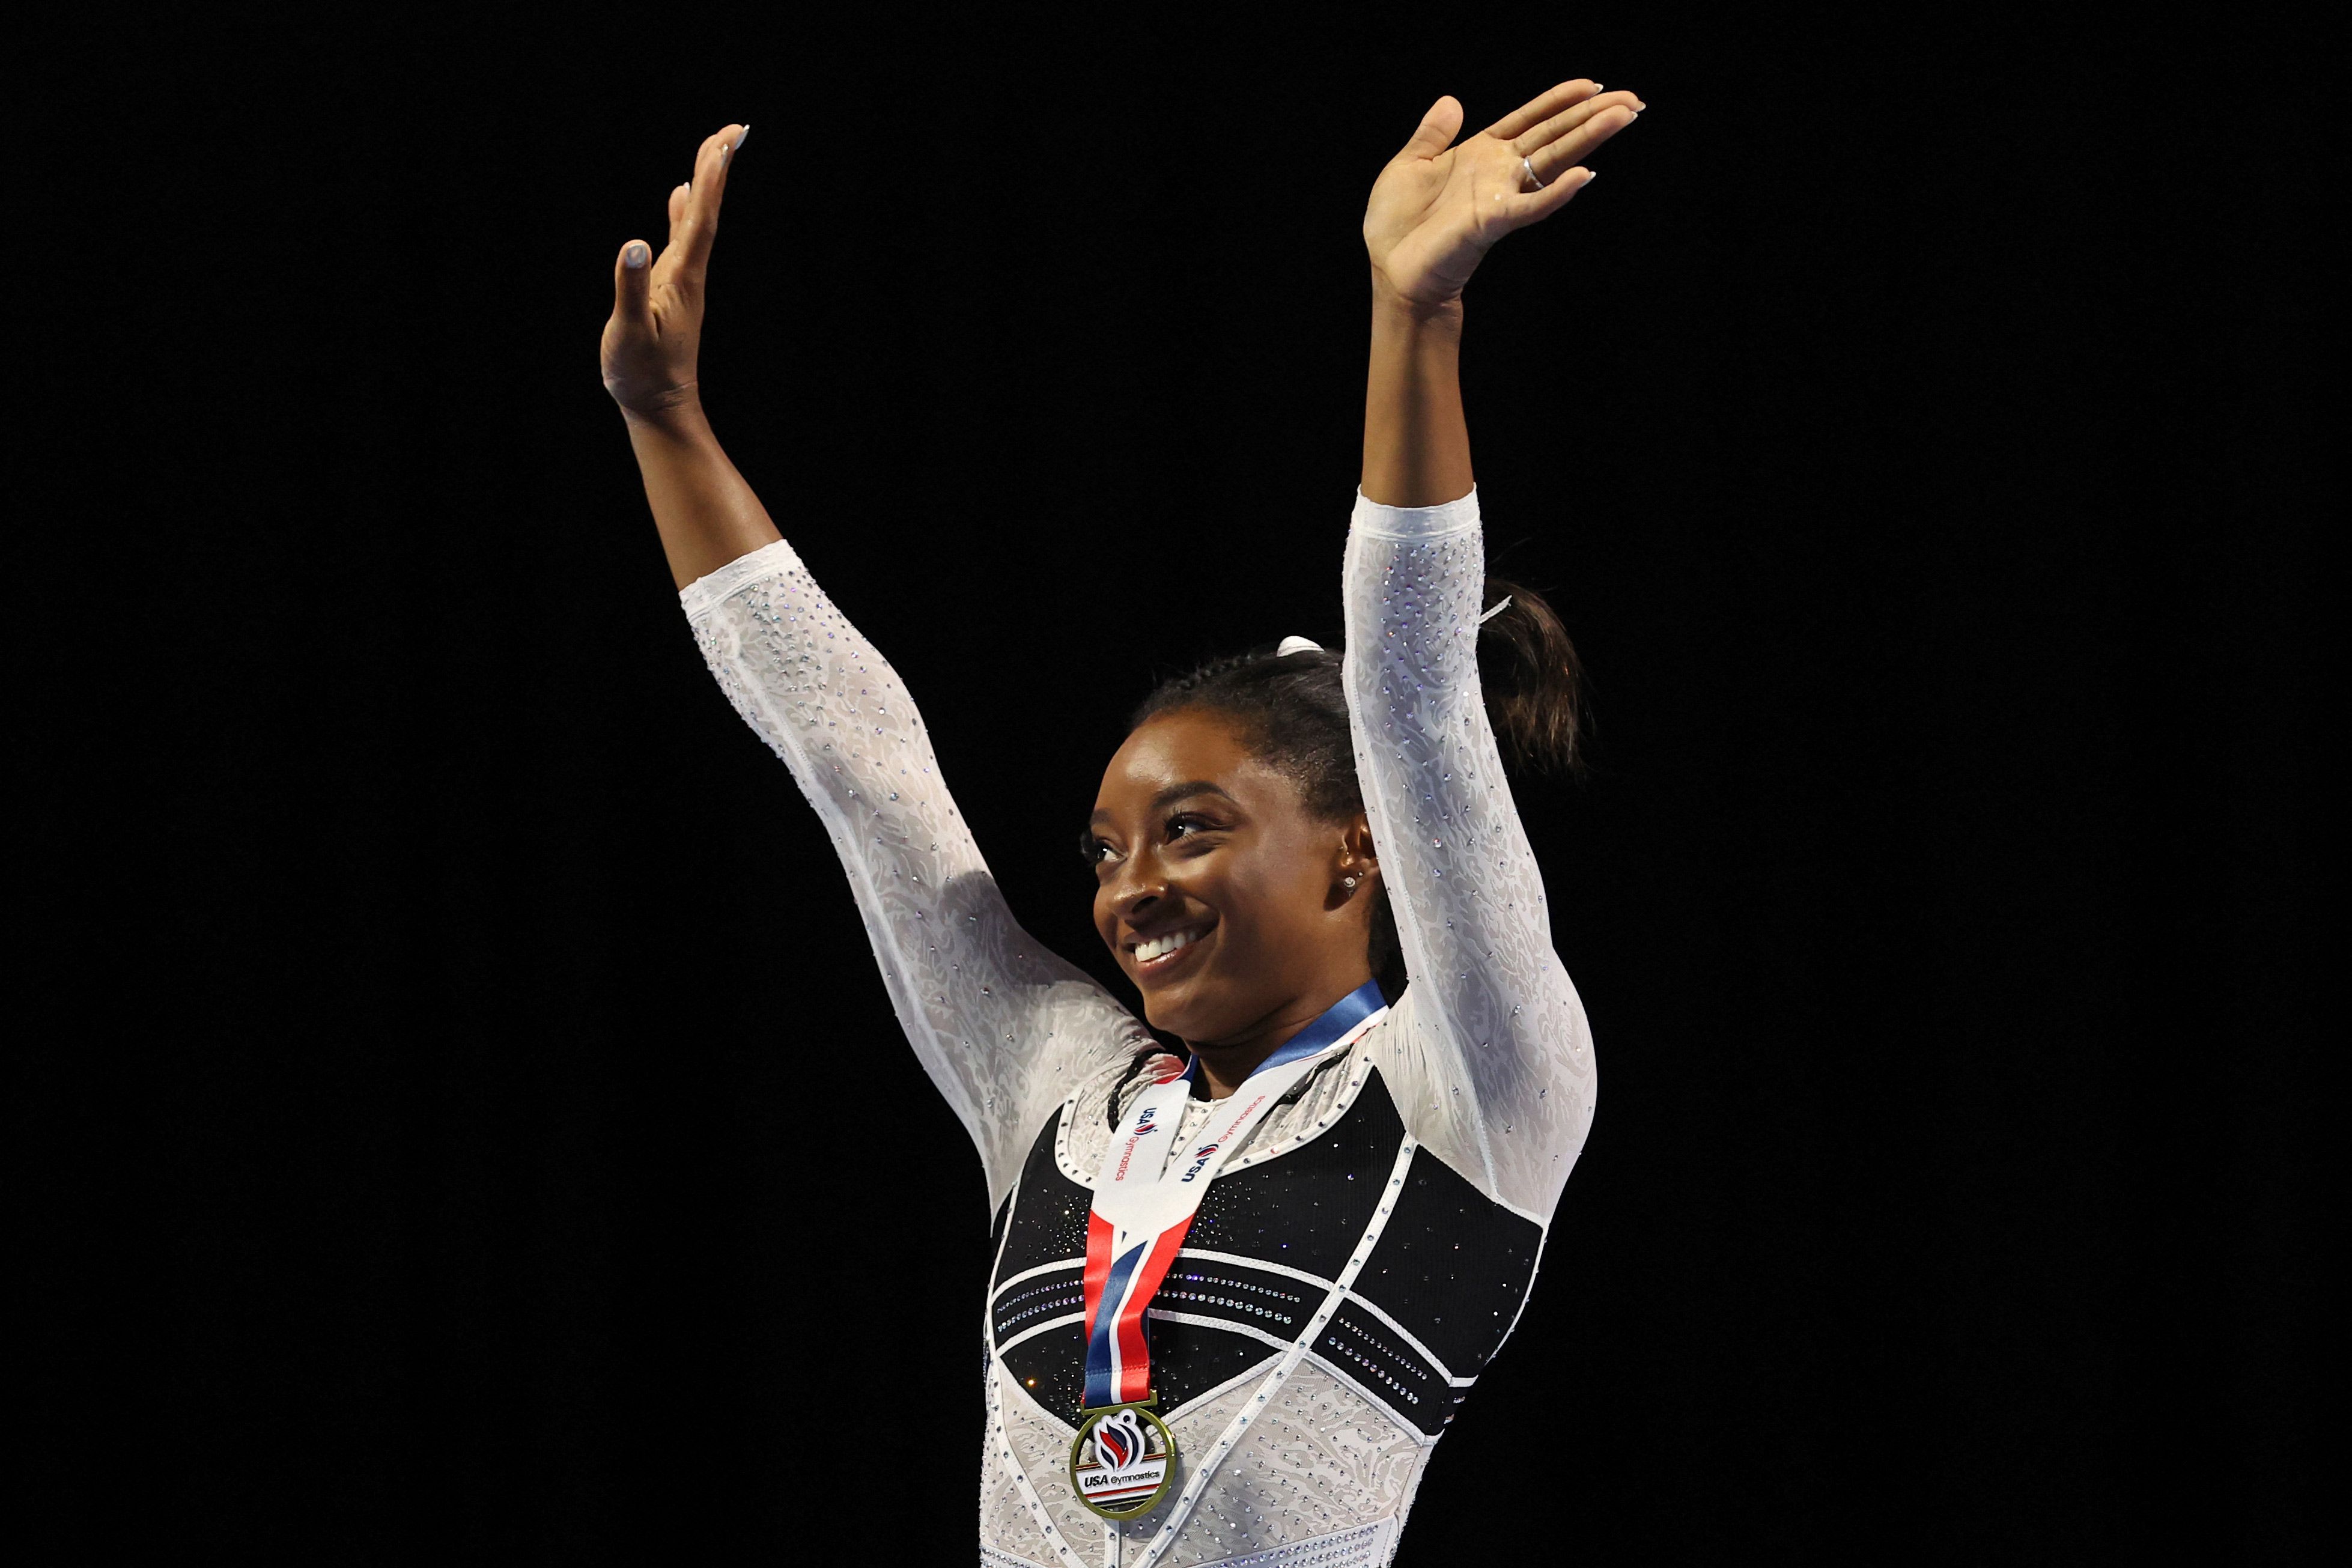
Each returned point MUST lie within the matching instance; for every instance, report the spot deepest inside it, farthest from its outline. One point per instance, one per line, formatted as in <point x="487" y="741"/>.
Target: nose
<point x="1136" y="889"/>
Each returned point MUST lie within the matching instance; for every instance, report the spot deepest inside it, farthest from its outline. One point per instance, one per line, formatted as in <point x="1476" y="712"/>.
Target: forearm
<point x="1416" y="442"/>
<point x="707" y="513"/>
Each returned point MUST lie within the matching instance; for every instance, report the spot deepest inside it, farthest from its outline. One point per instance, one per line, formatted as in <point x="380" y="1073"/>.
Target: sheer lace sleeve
<point x="1492" y="1065"/>
<point x="1003" y="1026"/>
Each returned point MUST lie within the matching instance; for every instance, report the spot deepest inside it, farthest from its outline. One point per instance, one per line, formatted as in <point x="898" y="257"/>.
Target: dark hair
<point x="1293" y="713"/>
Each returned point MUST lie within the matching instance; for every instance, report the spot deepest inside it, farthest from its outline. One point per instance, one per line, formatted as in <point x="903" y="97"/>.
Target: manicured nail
<point x="743" y="136"/>
<point x="634" y="258"/>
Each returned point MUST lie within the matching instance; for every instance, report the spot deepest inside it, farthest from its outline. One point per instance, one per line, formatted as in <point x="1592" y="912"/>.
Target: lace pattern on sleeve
<point x="1002" y="1026"/>
<point x="1492" y="1069"/>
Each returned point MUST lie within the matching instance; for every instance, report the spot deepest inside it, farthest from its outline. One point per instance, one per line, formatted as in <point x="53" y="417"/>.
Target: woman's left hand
<point x="1436" y="209"/>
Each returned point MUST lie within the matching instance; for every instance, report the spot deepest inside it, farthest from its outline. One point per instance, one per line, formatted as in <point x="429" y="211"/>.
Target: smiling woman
<point x="1265" y="838"/>
<point x="1236" y="1299"/>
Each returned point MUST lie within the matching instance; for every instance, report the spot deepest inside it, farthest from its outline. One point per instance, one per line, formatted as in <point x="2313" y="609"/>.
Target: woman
<point x="1239" y="1295"/>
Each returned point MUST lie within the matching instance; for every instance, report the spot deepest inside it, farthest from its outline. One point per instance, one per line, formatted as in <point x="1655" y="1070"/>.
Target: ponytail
<point x="1533" y="681"/>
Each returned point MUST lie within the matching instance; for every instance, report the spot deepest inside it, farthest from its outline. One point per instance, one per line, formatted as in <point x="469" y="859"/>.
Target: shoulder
<point x="1507" y="1103"/>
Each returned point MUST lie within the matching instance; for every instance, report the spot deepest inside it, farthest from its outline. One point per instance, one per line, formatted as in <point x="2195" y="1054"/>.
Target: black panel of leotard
<point x="1375" y="1356"/>
<point x="1039" y="1298"/>
<point x="1309" y="1208"/>
<point x="1261" y="1299"/>
<point x="1052" y="1365"/>
<point x="1451" y="1266"/>
<point x="1049" y="1219"/>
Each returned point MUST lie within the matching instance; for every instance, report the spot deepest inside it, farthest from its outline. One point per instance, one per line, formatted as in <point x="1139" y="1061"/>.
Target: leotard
<point x="1409" y="1184"/>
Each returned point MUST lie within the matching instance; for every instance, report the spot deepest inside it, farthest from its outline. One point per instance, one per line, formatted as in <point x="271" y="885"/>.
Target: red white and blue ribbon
<point x="1150" y="1186"/>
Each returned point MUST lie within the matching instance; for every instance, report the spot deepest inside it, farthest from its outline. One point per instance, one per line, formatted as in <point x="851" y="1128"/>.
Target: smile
<point x="1162" y="951"/>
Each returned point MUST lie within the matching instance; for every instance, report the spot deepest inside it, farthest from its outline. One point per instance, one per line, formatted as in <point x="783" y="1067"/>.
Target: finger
<point x="1436" y="130"/>
<point x="1519" y="210"/>
<point x="1539" y="109"/>
<point x="1576" y="144"/>
<point x="632" y="269"/>
<point x="676" y="210"/>
<point x="698" y="222"/>
<point x="1559" y="125"/>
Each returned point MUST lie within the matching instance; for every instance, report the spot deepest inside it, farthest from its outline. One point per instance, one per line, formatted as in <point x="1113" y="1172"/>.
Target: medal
<point x="1145" y="1193"/>
<point x="1122" y="1459"/>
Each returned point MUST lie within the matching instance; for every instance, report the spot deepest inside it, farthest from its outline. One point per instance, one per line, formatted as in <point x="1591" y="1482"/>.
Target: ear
<point x="1358" y="858"/>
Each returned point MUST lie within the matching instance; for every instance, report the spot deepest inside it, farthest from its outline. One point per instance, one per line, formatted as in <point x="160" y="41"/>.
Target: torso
<point x="1438" y="1273"/>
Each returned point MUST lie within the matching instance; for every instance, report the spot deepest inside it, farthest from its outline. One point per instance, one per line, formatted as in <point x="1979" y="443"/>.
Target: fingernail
<point x="634" y="258"/>
<point x="743" y="136"/>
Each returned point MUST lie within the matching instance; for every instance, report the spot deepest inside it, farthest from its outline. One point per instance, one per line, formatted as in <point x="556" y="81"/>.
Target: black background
<point x="479" y="1132"/>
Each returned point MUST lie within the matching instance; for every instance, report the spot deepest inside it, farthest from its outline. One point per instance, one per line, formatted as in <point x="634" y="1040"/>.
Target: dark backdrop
<point x="1907" y="427"/>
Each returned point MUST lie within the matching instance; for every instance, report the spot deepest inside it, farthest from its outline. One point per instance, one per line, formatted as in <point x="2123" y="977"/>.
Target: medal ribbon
<point x="1148" y="1188"/>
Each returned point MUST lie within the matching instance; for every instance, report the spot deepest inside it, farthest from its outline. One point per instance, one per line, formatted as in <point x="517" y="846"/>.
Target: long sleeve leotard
<point x="1410" y="1183"/>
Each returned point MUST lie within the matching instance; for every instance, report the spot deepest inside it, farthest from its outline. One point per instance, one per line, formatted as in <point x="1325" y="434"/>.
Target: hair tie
<point x="1296" y="645"/>
<point x="1495" y="611"/>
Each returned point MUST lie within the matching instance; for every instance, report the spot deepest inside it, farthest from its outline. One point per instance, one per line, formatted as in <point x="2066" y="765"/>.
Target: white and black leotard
<point x="1410" y="1180"/>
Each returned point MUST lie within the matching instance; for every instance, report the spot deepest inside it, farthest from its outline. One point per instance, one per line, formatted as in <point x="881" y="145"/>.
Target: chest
<point x="1442" y="1274"/>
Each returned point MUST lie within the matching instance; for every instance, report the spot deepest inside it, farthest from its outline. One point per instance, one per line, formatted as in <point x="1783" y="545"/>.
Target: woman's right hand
<point x="651" y="341"/>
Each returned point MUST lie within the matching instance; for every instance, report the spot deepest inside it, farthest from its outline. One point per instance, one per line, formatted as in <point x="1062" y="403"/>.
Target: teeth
<point x="1161" y="946"/>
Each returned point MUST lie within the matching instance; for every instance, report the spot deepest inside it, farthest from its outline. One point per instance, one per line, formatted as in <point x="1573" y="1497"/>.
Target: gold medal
<point x="1122" y="1460"/>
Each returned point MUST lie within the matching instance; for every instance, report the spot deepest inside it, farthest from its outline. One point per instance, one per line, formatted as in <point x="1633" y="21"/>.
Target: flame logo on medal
<point x="1118" y="1440"/>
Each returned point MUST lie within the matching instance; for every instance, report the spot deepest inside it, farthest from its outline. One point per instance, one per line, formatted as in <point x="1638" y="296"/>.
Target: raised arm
<point x="1000" y="1026"/>
<point x="1493" y="1068"/>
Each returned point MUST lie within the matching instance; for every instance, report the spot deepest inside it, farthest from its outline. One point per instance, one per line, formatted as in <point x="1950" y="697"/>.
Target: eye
<point x="1188" y="827"/>
<point x="1091" y="849"/>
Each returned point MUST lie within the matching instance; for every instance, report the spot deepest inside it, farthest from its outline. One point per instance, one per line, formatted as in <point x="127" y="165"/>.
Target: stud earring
<point x="1347" y="881"/>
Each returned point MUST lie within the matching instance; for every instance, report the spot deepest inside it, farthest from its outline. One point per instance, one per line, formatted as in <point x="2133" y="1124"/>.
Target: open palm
<point x="652" y="337"/>
<point x="1436" y="209"/>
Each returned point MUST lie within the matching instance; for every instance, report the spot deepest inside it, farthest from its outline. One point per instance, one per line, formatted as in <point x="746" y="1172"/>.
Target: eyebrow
<point x="1172" y="795"/>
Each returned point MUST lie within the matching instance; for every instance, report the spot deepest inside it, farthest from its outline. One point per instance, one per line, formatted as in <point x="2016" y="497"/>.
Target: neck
<point x="1226" y="1063"/>
<point x="1223" y="1068"/>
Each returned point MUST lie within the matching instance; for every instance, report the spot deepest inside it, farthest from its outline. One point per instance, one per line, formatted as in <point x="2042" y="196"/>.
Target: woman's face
<point x="1221" y="897"/>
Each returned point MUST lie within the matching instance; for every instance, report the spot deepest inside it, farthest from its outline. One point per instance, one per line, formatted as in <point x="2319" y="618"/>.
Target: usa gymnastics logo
<point x="1122" y="1461"/>
<point x="1144" y="1128"/>
<point x="1118" y="1441"/>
